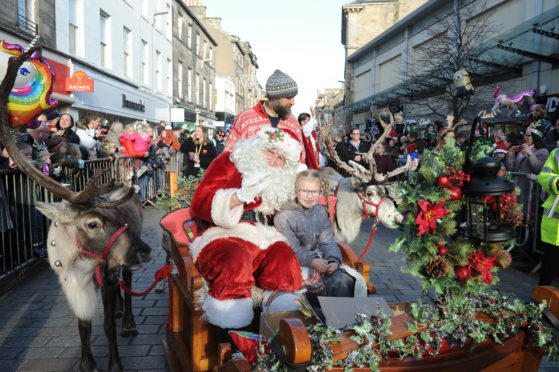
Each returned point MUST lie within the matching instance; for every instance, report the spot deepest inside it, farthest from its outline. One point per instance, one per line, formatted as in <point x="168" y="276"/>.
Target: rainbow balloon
<point x="32" y="88"/>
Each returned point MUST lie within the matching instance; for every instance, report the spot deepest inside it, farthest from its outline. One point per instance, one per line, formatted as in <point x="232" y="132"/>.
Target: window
<point x="145" y="63"/>
<point x="210" y="96"/>
<point x="179" y="80"/>
<point x="158" y="8"/>
<point x="169" y="77"/>
<point x="168" y="25"/>
<point x="197" y="87"/>
<point x="104" y="32"/>
<point x="204" y="83"/>
<point x="211" y="54"/>
<point x="73" y="32"/>
<point x="189" y="36"/>
<point x="145" y="8"/>
<point x="179" y="26"/>
<point x="205" y="50"/>
<point x="127" y="51"/>
<point x="189" y="85"/>
<point x="26" y="15"/>
<point x="198" y="51"/>
<point x="158" y="68"/>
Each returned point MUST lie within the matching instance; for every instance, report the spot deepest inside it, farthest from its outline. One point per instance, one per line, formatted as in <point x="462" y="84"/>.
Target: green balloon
<point x="409" y="129"/>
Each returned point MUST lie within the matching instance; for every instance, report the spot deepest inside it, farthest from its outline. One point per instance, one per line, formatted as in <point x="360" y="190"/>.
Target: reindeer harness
<point x="106" y="251"/>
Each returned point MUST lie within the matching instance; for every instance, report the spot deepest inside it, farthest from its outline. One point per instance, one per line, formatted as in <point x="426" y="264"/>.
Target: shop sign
<point x="552" y="104"/>
<point x="79" y="82"/>
<point x="136" y="106"/>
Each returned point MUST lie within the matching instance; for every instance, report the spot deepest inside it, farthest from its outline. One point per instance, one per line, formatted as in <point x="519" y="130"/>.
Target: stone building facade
<point x="194" y="56"/>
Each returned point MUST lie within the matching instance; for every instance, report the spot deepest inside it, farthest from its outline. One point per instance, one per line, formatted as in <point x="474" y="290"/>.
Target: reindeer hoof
<point x="132" y="332"/>
<point x="118" y="314"/>
<point x="160" y="288"/>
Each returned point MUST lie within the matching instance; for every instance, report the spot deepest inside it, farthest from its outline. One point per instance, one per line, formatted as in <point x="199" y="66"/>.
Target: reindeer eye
<point x="93" y="225"/>
<point x="370" y="193"/>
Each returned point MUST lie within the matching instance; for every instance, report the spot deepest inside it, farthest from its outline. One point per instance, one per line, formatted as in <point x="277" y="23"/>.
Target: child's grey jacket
<point x="308" y="232"/>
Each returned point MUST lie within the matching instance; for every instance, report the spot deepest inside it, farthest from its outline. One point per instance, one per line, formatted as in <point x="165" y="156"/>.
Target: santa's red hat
<point x="411" y="148"/>
<point x="500" y="147"/>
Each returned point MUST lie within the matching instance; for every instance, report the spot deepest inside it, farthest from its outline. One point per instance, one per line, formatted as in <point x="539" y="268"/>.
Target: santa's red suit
<point x="234" y="255"/>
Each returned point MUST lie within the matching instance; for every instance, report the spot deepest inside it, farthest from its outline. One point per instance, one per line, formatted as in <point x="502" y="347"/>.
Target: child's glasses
<point x="306" y="192"/>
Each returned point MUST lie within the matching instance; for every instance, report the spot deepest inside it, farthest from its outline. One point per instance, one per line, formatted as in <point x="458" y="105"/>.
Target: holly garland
<point x="432" y="199"/>
<point x="439" y="325"/>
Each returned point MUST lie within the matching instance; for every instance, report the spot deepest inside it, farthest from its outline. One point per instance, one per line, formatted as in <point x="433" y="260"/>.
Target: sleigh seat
<point x="191" y="343"/>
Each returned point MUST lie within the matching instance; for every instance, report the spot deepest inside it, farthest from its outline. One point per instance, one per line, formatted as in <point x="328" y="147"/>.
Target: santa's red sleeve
<point x="212" y="199"/>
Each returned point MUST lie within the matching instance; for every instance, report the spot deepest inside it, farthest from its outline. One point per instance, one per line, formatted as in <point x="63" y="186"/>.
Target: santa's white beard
<point x="279" y="185"/>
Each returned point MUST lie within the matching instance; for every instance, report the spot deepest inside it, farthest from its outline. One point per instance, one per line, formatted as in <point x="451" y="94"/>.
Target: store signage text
<point x="136" y="106"/>
<point x="79" y="82"/>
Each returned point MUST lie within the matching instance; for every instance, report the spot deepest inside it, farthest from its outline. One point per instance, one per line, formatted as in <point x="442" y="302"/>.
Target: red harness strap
<point x="366" y="214"/>
<point x="106" y="251"/>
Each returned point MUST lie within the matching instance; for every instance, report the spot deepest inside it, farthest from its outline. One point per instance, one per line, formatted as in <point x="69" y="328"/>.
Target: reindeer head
<point x="85" y="223"/>
<point x="377" y="202"/>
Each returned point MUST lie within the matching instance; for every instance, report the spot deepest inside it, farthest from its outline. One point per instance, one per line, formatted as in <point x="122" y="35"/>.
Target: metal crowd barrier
<point x="23" y="229"/>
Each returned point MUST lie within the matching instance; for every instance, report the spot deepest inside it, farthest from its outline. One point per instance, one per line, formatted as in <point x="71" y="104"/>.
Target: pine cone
<point x="437" y="267"/>
<point x="503" y="258"/>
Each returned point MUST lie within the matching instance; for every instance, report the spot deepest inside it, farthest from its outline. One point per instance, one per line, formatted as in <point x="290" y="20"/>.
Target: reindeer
<point x="93" y="234"/>
<point x="366" y="193"/>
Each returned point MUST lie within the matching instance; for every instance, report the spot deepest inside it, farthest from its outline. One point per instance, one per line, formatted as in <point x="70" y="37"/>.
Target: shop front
<point x="114" y="100"/>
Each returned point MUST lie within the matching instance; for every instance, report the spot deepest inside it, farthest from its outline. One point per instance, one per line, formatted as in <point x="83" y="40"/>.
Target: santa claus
<point x="234" y="255"/>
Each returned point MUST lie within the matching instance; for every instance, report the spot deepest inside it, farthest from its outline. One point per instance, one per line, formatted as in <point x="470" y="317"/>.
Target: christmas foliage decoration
<point x="460" y="272"/>
<point x="432" y="246"/>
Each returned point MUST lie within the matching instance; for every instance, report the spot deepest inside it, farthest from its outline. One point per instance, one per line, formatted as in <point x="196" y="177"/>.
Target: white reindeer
<point x="366" y="193"/>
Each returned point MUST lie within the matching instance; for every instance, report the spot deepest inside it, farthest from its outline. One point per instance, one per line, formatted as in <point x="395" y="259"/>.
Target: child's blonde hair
<point x="311" y="174"/>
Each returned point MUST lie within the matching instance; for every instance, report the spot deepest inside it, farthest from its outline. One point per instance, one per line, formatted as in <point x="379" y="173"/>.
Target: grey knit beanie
<point x="280" y="85"/>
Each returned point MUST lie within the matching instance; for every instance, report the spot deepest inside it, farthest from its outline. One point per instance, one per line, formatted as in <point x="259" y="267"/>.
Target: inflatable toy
<point x="462" y="85"/>
<point x="32" y="89"/>
<point x="512" y="104"/>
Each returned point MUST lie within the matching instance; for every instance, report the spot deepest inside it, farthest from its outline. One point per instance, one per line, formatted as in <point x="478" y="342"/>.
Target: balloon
<point x="33" y="86"/>
<point x="462" y="85"/>
<point x="512" y="104"/>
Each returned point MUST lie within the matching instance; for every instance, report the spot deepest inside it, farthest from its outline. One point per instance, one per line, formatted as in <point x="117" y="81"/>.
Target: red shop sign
<point x="79" y="82"/>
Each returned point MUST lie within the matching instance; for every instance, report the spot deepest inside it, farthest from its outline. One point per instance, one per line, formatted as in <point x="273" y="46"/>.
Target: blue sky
<point x="300" y="37"/>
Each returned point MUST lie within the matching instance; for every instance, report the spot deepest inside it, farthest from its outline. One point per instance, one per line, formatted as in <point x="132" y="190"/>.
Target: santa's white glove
<point x="252" y="187"/>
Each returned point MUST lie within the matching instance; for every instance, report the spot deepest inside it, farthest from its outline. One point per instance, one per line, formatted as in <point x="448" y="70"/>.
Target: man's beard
<point x="283" y="111"/>
<point x="279" y="184"/>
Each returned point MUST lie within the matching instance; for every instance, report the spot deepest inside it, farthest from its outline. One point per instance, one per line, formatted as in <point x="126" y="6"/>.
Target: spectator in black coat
<point x="354" y="146"/>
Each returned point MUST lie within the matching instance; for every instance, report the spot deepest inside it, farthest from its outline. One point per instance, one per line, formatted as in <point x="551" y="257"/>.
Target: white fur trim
<point x="360" y="283"/>
<point x="222" y="214"/>
<point x="259" y="235"/>
<point x="302" y="167"/>
<point x="234" y="313"/>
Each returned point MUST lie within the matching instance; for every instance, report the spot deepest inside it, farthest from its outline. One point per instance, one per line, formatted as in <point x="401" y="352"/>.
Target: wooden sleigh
<point x="191" y="343"/>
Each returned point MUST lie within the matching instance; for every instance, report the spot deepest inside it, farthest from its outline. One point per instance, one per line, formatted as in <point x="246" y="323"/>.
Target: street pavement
<point x="39" y="332"/>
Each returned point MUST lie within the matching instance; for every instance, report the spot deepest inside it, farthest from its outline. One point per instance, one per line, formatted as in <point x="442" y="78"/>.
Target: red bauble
<point x="463" y="273"/>
<point x="443" y="181"/>
<point x="455" y="192"/>
<point x="442" y="250"/>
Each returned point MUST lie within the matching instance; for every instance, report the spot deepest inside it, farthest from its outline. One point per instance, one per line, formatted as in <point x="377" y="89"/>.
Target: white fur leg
<point x="360" y="284"/>
<point x="234" y="313"/>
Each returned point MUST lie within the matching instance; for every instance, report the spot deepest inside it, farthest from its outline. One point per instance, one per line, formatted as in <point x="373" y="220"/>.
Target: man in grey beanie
<point x="281" y="90"/>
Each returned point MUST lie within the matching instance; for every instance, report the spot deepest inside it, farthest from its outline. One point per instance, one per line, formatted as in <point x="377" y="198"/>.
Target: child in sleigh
<point x="306" y="226"/>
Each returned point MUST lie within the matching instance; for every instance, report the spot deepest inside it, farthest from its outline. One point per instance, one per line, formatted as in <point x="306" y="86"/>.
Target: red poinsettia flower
<point x="483" y="264"/>
<point x="427" y="217"/>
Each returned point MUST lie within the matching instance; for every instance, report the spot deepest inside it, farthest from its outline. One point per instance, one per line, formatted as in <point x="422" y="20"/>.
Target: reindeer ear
<point x="121" y="192"/>
<point x="357" y="184"/>
<point x="56" y="211"/>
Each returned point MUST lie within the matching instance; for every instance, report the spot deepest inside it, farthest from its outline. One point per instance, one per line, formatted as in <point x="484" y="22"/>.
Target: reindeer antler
<point x="91" y="190"/>
<point x="357" y="170"/>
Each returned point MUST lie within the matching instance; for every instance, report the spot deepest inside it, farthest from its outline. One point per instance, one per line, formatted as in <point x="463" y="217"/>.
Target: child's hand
<point x="332" y="267"/>
<point x="320" y="265"/>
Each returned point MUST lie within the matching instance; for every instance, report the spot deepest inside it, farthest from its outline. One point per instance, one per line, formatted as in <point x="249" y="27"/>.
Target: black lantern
<point x="484" y="194"/>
